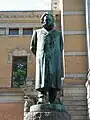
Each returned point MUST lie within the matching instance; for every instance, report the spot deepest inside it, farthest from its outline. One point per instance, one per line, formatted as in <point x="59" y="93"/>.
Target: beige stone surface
<point x="75" y="43"/>
<point x="5" y="49"/>
<point x="76" y="64"/>
<point x="74" y="81"/>
<point x="74" y="22"/>
<point x="72" y="5"/>
<point x="11" y="104"/>
<point x="11" y="111"/>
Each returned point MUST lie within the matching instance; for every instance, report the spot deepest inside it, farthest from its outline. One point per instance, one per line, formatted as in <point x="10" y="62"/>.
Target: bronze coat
<point x="48" y="47"/>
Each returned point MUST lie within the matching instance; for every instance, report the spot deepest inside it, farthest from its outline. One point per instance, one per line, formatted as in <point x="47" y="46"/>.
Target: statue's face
<point x="48" y="21"/>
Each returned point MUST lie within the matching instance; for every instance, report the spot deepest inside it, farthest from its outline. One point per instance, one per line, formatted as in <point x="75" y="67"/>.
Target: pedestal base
<point x="48" y="112"/>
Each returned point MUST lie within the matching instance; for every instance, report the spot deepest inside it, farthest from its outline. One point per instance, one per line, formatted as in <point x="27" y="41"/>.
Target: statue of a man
<point x="47" y="45"/>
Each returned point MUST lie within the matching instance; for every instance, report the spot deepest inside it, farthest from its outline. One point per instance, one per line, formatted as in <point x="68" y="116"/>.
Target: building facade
<point x="55" y="5"/>
<point x="17" y="63"/>
<point x="76" y="57"/>
<point x="16" y="28"/>
<point x="75" y="25"/>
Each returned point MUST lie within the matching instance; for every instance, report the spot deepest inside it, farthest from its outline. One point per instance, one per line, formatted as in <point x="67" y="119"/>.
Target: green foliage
<point x="19" y="75"/>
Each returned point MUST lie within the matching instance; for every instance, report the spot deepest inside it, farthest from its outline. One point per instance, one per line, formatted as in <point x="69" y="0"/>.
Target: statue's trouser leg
<point x="52" y="94"/>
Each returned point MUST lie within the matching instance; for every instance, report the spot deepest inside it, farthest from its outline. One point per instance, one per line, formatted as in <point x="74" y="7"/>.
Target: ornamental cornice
<point x="15" y="15"/>
<point x="22" y="14"/>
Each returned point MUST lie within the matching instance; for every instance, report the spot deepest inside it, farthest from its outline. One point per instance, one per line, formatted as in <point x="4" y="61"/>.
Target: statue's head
<point x="47" y="20"/>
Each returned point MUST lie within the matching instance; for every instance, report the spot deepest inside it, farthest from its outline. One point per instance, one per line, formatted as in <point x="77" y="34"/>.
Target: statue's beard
<point x="48" y="27"/>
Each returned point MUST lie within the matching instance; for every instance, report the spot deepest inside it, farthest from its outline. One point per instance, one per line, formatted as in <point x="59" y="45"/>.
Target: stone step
<point x="75" y="91"/>
<point x="74" y="94"/>
<point x="74" y="102"/>
<point x="77" y="108"/>
<point x="80" y="117"/>
<point x="78" y="113"/>
<point x="74" y="98"/>
<point x="73" y="86"/>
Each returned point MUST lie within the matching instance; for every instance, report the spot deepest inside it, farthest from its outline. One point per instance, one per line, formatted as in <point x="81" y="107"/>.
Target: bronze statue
<point x="47" y="45"/>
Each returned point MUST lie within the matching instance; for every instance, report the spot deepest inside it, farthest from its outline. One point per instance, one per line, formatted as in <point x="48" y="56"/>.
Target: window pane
<point x="2" y="31"/>
<point x="14" y="31"/>
<point x="27" y="31"/>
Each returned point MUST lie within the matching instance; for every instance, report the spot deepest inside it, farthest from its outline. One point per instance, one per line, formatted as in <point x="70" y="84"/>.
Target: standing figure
<point x="47" y="45"/>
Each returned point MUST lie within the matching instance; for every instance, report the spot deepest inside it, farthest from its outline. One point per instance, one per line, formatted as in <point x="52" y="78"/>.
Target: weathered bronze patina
<point x="47" y="45"/>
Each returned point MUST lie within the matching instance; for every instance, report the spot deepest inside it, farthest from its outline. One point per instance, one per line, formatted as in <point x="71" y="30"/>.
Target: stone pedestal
<point x="48" y="112"/>
<point x="11" y="104"/>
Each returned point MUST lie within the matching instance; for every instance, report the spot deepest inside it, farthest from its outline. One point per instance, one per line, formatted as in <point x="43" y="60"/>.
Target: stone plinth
<point x="48" y="112"/>
<point x="11" y="104"/>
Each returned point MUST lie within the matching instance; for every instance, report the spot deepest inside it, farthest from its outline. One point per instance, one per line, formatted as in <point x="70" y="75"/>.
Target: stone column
<point x="88" y="96"/>
<point x="11" y="104"/>
<point x="87" y="11"/>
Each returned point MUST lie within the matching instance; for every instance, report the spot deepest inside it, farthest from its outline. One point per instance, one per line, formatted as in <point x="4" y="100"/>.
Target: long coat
<point x="48" y="47"/>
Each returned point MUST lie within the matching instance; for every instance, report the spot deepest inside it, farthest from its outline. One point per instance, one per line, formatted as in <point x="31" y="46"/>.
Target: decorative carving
<point x="22" y="14"/>
<point x="19" y="52"/>
<point x="15" y="15"/>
